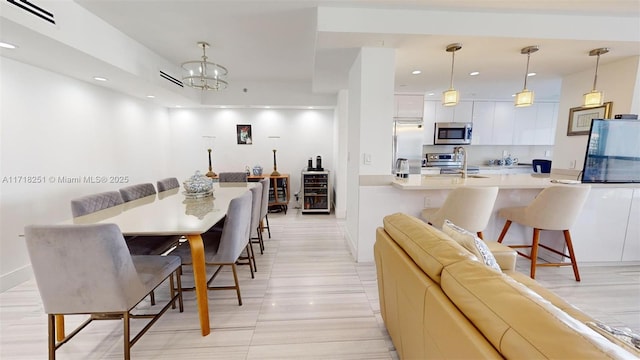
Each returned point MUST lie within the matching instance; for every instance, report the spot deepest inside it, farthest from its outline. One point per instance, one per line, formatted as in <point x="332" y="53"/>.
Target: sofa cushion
<point x="517" y="321"/>
<point x="472" y="243"/>
<point x="428" y="247"/>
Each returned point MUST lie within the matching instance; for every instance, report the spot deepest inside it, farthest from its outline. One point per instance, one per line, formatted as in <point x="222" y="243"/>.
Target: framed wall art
<point x="243" y="134"/>
<point x="580" y="118"/>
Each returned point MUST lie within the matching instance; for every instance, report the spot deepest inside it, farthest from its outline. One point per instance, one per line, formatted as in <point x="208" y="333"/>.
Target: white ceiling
<point x="278" y="41"/>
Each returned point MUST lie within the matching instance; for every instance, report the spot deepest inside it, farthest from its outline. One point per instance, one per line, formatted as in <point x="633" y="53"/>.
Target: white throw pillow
<point x="472" y="243"/>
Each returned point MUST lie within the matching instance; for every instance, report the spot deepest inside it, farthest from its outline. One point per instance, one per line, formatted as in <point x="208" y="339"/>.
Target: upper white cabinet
<point x="459" y="113"/>
<point x="546" y="124"/>
<point x="496" y="122"/>
<point x="408" y="106"/>
<point x="483" y="114"/>
<point x="503" y="123"/>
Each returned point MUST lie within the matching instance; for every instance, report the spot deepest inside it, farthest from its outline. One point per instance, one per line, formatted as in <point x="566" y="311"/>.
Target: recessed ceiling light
<point x="431" y="94"/>
<point x="416" y="72"/>
<point x="7" y="45"/>
<point x="531" y="74"/>
<point x="178" y="106"/>
<point x="310" y="107"/>
<point x="151" y="96"/>
<point x="474" y="73"/>
<point x="99" y="78"/>
<point x="513" y="95"/>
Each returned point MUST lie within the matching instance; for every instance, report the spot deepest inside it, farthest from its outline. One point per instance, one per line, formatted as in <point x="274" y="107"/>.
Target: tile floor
<point x="309" y="300"/>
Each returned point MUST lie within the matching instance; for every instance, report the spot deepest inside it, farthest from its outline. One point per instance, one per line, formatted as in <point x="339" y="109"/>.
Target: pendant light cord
<point x="526" y="74"/>
<point x="595" y="76"/>
<point x="453" y="60"/>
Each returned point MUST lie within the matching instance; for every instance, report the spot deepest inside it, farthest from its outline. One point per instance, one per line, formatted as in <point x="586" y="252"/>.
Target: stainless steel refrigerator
<point x="408" y="138"/>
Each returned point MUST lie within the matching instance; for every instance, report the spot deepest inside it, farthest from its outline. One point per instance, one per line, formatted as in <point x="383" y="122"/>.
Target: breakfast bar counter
<point x="503" y="181"/>
<point x="607" y="229"/>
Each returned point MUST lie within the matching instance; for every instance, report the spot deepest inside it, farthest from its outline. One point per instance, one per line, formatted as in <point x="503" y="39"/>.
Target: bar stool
<point x="554" y="208"/>
<point x="468" y="207"/>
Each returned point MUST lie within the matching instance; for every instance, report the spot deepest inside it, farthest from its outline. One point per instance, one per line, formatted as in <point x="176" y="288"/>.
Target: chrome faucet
<point x="459" y="150"/>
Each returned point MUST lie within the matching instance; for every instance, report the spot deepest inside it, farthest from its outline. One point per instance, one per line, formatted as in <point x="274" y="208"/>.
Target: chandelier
<point x="203" y="74"/>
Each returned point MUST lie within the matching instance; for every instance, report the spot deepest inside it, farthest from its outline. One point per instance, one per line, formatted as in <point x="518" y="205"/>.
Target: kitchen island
<point x="607" y="229"/>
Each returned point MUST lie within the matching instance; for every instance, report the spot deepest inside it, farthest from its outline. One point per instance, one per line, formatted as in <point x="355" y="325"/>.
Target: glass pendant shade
<point x="450" y="97"/>
<point x="524" y="98"/>
<point x="595" y="97"/>
<point x="203" y="74"/>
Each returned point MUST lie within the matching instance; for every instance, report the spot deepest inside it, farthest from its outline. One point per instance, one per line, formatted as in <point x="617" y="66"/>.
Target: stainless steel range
<point x="443" y="160"/>
<point x="449" y="163"/>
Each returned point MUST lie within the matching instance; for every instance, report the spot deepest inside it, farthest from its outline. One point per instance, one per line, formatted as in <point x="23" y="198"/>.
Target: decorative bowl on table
<point x="257" y="170"/>
<point x="198" y="186"/>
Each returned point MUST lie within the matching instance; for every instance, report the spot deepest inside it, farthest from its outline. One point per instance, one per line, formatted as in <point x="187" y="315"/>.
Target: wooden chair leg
<point x="235" y="278"/>
<point x="534" y="252"/>
<point x="250" y="263"/>
<point x="480" y="235"/>
<point x="52" y="336"/>
<point x="572" y="255"/>
<point x="507" y="224"/>
<point x="127" y="336"/>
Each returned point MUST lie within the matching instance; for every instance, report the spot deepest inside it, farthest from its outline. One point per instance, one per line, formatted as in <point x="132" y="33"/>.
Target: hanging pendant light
<point x="525" y="97"/>
<point x="595" y="97"/>
<point x="203" y="74"/>
<point x="451" y="96"/>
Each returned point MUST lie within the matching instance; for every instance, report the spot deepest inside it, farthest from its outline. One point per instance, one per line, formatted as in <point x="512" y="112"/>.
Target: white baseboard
<point x="15" y="278"/>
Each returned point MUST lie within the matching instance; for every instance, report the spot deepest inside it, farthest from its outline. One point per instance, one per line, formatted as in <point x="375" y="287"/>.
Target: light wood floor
<point x="309" y="300"/>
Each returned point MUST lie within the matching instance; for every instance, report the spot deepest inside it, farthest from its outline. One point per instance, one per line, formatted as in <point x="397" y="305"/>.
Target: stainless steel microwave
<point x="452" y="133"/>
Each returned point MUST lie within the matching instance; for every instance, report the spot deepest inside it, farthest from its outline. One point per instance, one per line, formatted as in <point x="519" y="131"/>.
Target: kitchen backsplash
<point x="481" y="154"/>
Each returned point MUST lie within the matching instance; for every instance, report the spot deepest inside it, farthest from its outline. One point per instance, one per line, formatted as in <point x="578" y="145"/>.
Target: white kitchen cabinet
<point x="409" y="106"/>
<point x="483" y="114"/>
<point x="429" y="121"/>
<point x="503" y="123"/>
<point x="524" y="125"/>
<point x="546" y="124"/>
<point x="497" y="122"/>
<point x="463" y="112"/>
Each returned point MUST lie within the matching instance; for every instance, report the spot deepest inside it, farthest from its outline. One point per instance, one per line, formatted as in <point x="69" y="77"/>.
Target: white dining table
<point x="172" y="213"/>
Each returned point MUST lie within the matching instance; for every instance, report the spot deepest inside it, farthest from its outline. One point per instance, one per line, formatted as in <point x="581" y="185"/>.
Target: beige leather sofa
<point x="439" y="302"/>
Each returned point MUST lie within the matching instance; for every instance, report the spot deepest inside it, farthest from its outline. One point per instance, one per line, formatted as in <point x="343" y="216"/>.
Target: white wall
<point x="303" y="134"/>
<point x="369" y="131"/>
<point x="620" y="83"/>
<point x="53" y="126"/>
<point x="341" y="150"/>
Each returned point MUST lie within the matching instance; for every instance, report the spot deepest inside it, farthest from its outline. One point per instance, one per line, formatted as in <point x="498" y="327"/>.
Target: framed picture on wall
<point x="243" y="134"/>
<point x="580" y="118"/>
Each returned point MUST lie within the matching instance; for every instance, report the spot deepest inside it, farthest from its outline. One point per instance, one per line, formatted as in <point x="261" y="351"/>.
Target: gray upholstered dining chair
<point x="167" y="184"/>
<point x="95" y="202"/>
<point x="256" y="213"/>
<point x="264" y="210"/>
<point x="232" y="177"/>
<point x="87" y="269"/>
<point x="224" y="248"/>
<point x="146" y="245"/>
<point x="138" y="191"/>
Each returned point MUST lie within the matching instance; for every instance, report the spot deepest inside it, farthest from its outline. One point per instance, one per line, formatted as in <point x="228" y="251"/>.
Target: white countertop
<point x="504" y="181"/>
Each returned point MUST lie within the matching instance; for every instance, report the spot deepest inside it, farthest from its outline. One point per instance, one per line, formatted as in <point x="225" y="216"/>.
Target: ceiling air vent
<point x="166" y="76"/>
<point x="34" y="9"/>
